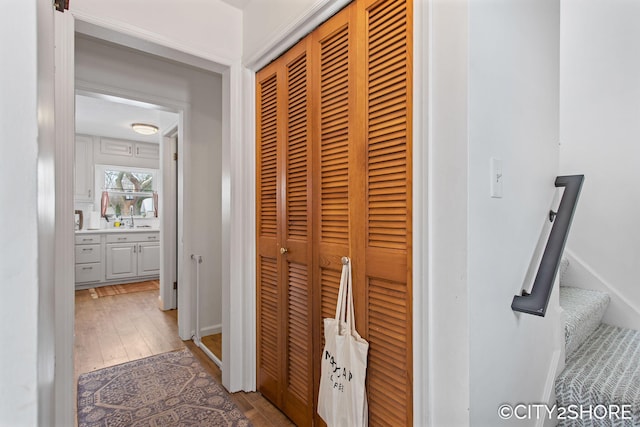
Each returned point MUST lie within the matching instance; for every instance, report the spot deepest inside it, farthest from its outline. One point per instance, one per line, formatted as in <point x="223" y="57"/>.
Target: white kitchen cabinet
<point x="121" y="147"/>
<point x="109" y="257"/>
<point x="83" y="169"/>
<point x="148" y="259"/>
<point x="116" y="147"/>
<point x="145" y="150"/>
<point x="133" y="255"/>
<point x="123" y="152"/>
<point x="122" y="260"/>
<point x="88" y="258"/>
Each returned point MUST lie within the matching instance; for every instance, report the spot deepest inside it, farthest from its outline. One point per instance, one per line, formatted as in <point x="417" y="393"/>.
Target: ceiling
<point x="239" y="4"/>
<point x="112" y="117"/>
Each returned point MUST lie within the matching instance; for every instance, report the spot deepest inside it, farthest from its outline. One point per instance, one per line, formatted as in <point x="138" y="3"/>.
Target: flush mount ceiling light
<point x="145" y="129"/>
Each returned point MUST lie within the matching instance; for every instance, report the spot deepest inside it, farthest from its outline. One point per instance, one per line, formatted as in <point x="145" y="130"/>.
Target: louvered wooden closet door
<point x="296" y="239"/>
<point x="268" y="302"/>
<point x="334" y="179"/>
<point x="334" y="133"/>
<point x="387" y="209"/>
<point x="285" y="338"/>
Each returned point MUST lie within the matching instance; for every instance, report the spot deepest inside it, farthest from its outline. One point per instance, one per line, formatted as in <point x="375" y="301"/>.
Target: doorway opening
<point x="194" y="154"/>
<point x="125" y="243"/>
<point x="167" y="189"/>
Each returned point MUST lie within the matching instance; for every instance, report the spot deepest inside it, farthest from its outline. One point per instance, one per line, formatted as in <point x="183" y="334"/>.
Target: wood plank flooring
<point x="214" y="344"/>
<point x="120" y="328"/>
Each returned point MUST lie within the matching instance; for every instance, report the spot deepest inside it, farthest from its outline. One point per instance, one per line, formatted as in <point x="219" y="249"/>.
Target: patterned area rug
<point x="129" y="288"/>
<point x="170" y="389"/>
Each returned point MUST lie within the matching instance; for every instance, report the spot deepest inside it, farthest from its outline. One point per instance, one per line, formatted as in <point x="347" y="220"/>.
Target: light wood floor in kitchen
<point x="120" y="328"/>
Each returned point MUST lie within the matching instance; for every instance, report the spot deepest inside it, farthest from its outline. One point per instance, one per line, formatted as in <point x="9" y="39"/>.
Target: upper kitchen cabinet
<point x="116" y="147"/>
<point x="83" y="166"/>
<point x="145" y="150"/>
<point x="127" y="153"/>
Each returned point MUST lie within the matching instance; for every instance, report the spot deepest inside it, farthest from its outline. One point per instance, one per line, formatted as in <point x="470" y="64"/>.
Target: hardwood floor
<point x="120" y="328"/>
<point x="214" y="344"/>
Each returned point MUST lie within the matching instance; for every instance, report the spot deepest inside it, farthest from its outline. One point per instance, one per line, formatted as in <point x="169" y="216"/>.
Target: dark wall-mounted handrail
<point x="536" y="302"/>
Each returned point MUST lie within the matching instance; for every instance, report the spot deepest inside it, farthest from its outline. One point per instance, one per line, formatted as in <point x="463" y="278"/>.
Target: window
<point x="127" y="188"/>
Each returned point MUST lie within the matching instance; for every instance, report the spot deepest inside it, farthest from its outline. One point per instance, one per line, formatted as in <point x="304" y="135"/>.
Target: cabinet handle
<point x="137" y="151"/>
<point x="134" y="249"/>
<point x="284" y="250"/>
<point x="140" y="248"/>
<point x="152" y="237"/>
<point x="122" y="238"/>
<point x="89" y="192"/>
<point x="87" y="268"/>
<point x="129" y="149"/>
<point x="87" y="249"/>
<point x="87" y="240"/>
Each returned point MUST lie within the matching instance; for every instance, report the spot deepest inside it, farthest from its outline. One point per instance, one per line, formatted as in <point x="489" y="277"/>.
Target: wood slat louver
<point x="387" y="126"/>
<point x="297" y="148"/>
<point x="298" y="393"/>
<point x="299" y="326"/>
<point x="389" y="385"/>
<point x="269" y="317"/>
<point x="268" y="157"/>
<point x="330" y="283"/>
<point x="388" y="228"/>
<point x="334" y="137"/>
<point x="268" y="273"/>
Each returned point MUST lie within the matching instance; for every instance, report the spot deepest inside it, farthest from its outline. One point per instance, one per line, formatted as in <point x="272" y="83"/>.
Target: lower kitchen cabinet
<point x="88" y="258"/>
<point x="120" y="257"/>
<point x="122" y="260"/>
<point x="148" y="258"/>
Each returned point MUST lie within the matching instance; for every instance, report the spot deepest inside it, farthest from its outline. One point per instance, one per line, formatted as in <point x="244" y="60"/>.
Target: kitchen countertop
<point x="118" y="230"/>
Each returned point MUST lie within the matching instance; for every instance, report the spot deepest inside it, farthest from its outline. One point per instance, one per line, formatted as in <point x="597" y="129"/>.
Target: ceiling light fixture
<point x="145" y="129"/>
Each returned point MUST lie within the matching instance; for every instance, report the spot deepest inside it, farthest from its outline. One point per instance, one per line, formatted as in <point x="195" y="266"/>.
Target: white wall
<point x="493" y="93"/>
<point x="26" y="258"/>
<point x="19" y="249"/>
<point x="448" y="346"/>
<point x="153" y="78"/>
<point x="600" y="134"/>
<point x="513" y="115"/>
<point x="210" y="28"/>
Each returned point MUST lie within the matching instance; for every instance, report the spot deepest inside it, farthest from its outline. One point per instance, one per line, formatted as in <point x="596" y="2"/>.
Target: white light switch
<point x="496" y="177"/>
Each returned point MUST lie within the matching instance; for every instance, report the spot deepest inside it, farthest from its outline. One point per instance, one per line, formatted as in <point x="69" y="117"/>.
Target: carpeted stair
<point x="602" y="364"/>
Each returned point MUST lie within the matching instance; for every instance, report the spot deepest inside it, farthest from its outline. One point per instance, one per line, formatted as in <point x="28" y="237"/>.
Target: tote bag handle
<point x="344" y="308"/>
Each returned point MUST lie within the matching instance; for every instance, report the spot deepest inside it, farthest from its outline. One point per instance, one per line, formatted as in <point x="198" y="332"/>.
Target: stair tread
<point x="605" y="370"/>
<point x="584" y="310"/>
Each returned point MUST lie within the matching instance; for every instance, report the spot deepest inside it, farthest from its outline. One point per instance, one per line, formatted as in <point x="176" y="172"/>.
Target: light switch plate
<point x="496" y="178"/>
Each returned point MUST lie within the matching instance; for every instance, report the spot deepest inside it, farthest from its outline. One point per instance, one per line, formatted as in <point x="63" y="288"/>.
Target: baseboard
<point x="621" y="311"/>
<point x="211" y="330"/>
<point x="555" y="368"/>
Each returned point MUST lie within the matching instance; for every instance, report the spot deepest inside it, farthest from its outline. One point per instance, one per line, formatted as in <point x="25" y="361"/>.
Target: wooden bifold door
<point x="334" y="179"/>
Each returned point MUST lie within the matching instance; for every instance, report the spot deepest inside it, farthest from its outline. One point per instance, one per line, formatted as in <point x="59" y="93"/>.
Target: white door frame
<point x="168" y="222"/>
<point x="235" y="375"/>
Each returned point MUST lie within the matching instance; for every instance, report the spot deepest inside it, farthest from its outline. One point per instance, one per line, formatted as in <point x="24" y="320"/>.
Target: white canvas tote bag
<point x="342" y="401"/>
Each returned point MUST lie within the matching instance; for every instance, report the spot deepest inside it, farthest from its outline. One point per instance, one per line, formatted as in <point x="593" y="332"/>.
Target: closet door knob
<point x="284" y="250"/>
